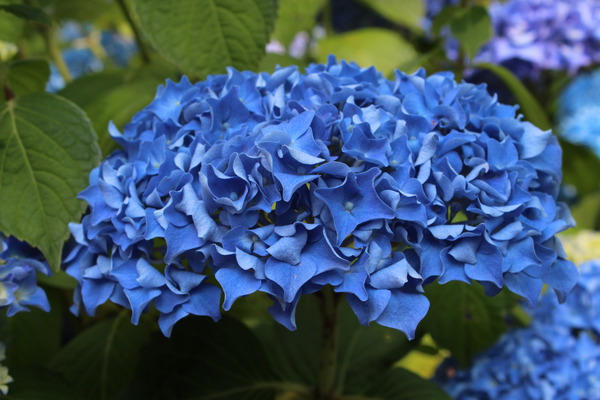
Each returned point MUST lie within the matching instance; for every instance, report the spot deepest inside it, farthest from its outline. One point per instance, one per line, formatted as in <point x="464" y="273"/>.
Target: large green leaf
<point x="34" y="337"/>
<point x="204" y="36"/>
<point x="47" y="149"/>
<point x="364" y="46"/>
<point x="464" y="320"/>
<point x="400" y="384"/>
<point x="101" y="361"/>
<point x="37" y="383"/>
<point x="207" y="360"/>
<point x="409" y="13"/>
<point x="472" y="27"/>
<point x="28" y="76"/>
<point x="532" y="109"/>
<point x="296" y="16"/>
<point x="10" y="25"/>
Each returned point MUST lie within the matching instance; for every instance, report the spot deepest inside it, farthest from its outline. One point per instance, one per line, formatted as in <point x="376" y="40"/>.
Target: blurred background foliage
<point x="108" y="57"/>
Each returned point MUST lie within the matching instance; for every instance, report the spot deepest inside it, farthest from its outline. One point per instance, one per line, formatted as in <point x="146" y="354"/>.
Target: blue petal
<point x="404" y="312"/>
<point x="236" y="283"/>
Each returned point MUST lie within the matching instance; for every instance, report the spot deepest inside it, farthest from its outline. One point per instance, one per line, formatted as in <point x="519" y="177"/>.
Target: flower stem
<point x="49" y="34"/>
<point x="136" y="32"/>
<point x="328" y="351"/>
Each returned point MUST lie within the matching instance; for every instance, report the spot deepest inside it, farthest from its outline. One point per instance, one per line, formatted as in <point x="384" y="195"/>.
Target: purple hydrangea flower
<point x="283" y="183"/>
<point x="546" y="34"/>
<point x="556" y="357"/>
<point x="19" y="263"/>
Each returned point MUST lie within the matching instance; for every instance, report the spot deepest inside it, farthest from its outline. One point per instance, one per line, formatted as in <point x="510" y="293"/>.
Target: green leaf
<point x="400" y="384"/>
<point x="47" y="149"/>
<point x="204" y="36"/>
<point x="58" y="279"/>
<point x="409" y="13"/>
<point x="87" y="88"/>
<point x="10" y="25"/>
<point x="531" y="108"/>
<point x="26" y="12"/>
<point x="363" y="351"/>
<point x="578" y="161"/>
<point x="34" y="337"/>
<point x="464" y="320"/>
<point x="295" y="354"/>
<point x="101" y="361"/>
<point x="28" y="76"/>
<point x="587" y="212"/>
<point x="35" y="383"/>
<point x="208" y="360"/>
<point x="296" y="16"/>
<point x="364" y="46"/>
<point x="472" y="28"/>
<point x="366" y="351"/>
<point x="83" y="11"/>
<point x="443" y="18"/>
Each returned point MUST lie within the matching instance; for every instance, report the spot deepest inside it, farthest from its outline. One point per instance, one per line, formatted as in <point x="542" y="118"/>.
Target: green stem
<point x="136" y="32"/>
<point x="55" y="54"/>
<point x="328" y="19"/>
<point x="328" y="353"/>
<point x="461" y="65"/>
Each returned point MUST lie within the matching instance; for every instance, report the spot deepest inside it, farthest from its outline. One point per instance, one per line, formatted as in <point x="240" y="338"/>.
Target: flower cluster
<point x="579" y="111"/>
<point x="556" y="357"/>
<point x="19" y="263"/>
<point x="544" y="35"/>
<point x="83" y="51"/>
<point x="283" y="183"/>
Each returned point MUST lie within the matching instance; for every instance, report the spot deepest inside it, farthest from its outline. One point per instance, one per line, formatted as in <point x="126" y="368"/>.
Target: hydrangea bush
<point x="375" y="214"/>
<point x="285" y="183"/>
<point x="556" y="357"/>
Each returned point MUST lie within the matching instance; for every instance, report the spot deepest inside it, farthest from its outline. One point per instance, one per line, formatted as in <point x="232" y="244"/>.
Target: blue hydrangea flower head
<point x="19" y="263"/>
<point x="287" y="182"/>
<point x="556" y="357"/>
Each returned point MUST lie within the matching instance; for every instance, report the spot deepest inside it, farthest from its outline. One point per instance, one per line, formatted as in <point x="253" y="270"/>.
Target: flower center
<point x="348" y="206"/>
<point x="233" y="196"/>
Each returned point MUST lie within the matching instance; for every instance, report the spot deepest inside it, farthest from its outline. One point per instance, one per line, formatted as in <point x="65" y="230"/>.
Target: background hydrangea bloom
<point x="579" y="111"/>
<point x="283" y="183"/>
<point x="19" y="263"/>
<point x="556" y="357"/>
<point x="82" y="60"/>
<point x="544" y="35"/>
